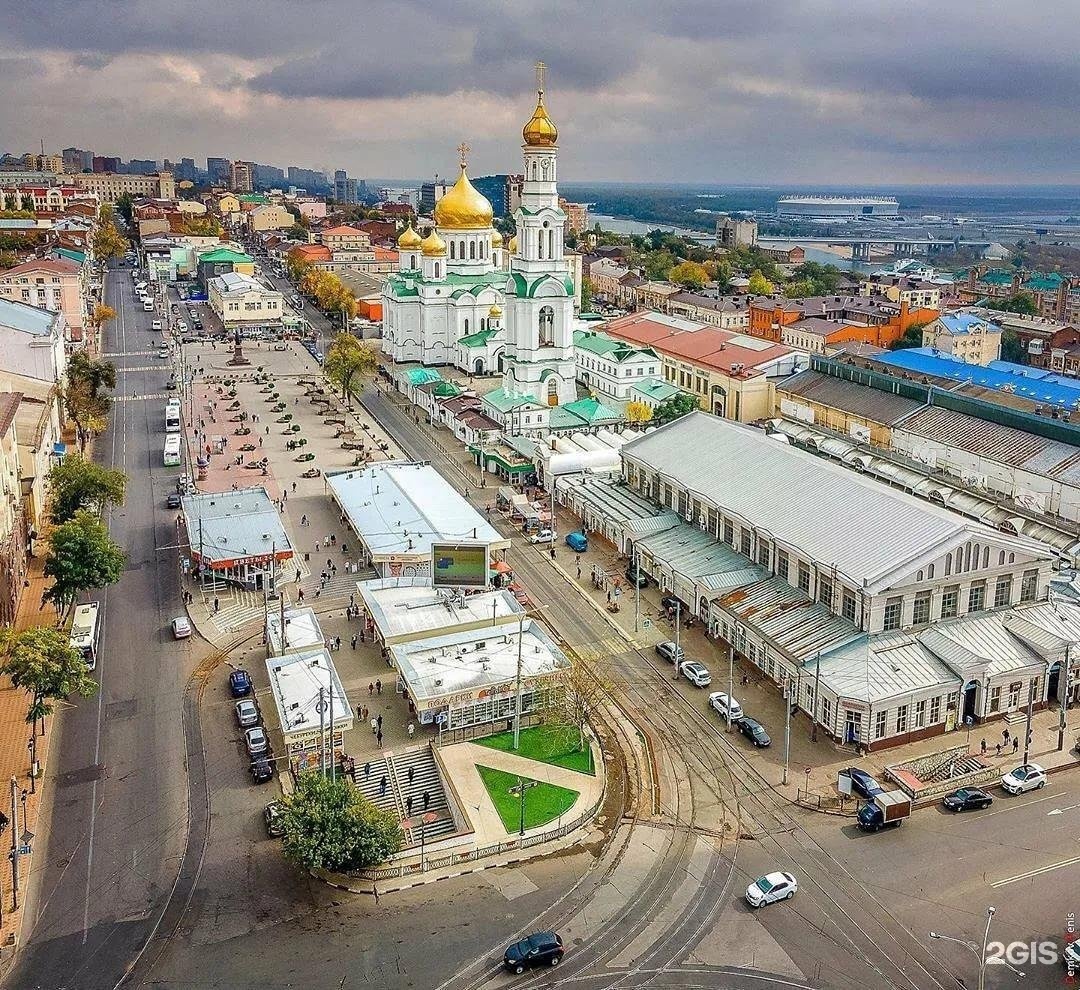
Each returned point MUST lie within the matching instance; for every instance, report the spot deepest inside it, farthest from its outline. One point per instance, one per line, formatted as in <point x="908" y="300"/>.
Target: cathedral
<point x="462" y="297"/>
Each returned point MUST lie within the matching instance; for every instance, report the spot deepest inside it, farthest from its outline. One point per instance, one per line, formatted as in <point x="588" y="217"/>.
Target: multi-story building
<point x="140" y="166"/>
<point x="12" y="525"/>
<point x="241" y="176"/>
<point x="344" y="241"/>
<point x="45" y="163"/>
<point x="55" y="286"/>
<point x="77" y="160"/>
<point x="964" y="336"/>
<point x="577" y="216"/>
<point x="886" y="321"/>
<point x="1056" y="296"/>
<point x="494" y="188"/>
<point x="725" y="312"/>
<point x="217" y="171"/>
<point x="242" y="301"/>
<point x="736" y="232"/>
<point x="307" y="179"/>
<point x="731" y="374"/>
<point x="430" y="194"/>
<point x="269" y="217"/>
<point x="110" y="163"/>
<point x="268" y="177"/>
<point x="918" y="293"/>
<point x="611" y="367"/>
<point x="42" y="199"/>
<point x="109" y="186"/>
<point x="345" y="189"/>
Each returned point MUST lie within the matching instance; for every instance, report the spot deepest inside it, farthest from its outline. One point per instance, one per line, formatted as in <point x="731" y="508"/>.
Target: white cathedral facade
<point x="461" y="298"/>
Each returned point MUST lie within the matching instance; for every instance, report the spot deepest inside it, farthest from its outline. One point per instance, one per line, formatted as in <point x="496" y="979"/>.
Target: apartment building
<point x="965" y="336"/>
<point x="611" y="367"/>
<point x="56" y="286"/>
<point x="110" y="186"/>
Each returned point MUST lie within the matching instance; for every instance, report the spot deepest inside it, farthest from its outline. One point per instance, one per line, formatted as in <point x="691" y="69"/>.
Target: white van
<point x="148" y="305"/>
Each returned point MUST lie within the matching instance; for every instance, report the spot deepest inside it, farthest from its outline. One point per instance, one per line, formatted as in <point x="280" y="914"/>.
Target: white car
<point x="148" y="306"/>
<point x="255" y="740"/>
<point x="769" y="889"/>
<point x="544" y="536"/>
<point x="668" y="651"/>
<point x="696" y="673"/>
<point x="721" y="703"/>
<point x="247" y="714"/>
<point x="163" y="351"/>
<point x="155" y="325"/>
<point x="1026" y="778"/>
<point x="181" y="326"/>
<point x="181" y="628"/>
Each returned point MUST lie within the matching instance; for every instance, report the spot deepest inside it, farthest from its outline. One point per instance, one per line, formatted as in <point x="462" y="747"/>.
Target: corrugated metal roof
<point x="790" y="620"/>
<point x="851" y="397"/>
<point x="980" y="642"/>
<point x="691" y="552"/>
<point x="615" y="501"/>
<point x="878" y="669"/>
<point x="799" y="497"/>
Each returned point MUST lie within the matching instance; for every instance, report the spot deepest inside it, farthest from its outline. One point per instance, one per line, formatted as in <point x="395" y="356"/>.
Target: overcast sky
<point x="731" y="91"/>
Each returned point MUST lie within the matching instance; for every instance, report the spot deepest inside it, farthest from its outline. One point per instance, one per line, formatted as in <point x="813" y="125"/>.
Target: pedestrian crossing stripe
<point x="601" y="649"/>
<point x="140" y="398"/>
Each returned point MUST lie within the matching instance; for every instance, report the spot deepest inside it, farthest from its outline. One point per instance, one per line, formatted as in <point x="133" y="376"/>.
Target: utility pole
<point x="322" y="733"/>
<point x="637" y="589"/>
<point x="517" y="703"/>
<point x="678" y="616"/>
<point x="787" y="725"/>
<point x="1027" y="721"/>
<point x="730" y="681"/>
<point x="15" y="844"/>
<point x="1063" y="703"/>
<point x="333" y="753"/>
<point x="817" y="684"/>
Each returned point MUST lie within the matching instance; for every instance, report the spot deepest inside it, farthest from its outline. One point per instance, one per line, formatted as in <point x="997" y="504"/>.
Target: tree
<point x="1022" y="303"/>
<point x="102" y="314"/>
<point x="85" y="397"/>
<point x="297" y="267"/>
<point x="719" y="272"/>
<point x="1012" y="348"/>
<point x="586" y="295"/>
<point x="799" y="289"/>
<point x="201" y="226"/>
<point x="330" y="825"/>
<point x="81" y="557"/>
<point x="125" y="206"/>
<point x="579" y="692"/>
<point x="638" y="412"/>
<point x="674" y="408"/>
<point x="108" y="242"/>
<point x="657" y="264"/>
<point x="759" y="284"/>
<point x="689" y="274"/>
<point x="912" y="338"/>
<point x="348" y="359"/>
<point x="76" y="483"/>
<point x="42" y="662"/>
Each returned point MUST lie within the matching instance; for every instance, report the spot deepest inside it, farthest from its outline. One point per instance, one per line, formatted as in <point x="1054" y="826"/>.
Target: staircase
<point x="370" y="785"/>
<point x="417" y="773"/>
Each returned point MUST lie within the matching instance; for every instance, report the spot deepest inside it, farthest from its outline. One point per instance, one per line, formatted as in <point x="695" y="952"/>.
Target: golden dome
<point x="540" y="131"/>
<point x="433" y="245"/>
<point x="496" y="239"/>
<point x="512" y="246"/>
<point x="495" y="312"/>
<point x="409" y="238"/>
<point x="463" y="208"/>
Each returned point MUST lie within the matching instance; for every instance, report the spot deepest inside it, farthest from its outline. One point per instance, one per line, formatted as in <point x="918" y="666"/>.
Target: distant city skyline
<point x="726" y="91"/>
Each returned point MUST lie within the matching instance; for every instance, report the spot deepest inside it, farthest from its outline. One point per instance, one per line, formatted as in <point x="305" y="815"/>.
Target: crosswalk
<point x="140" y="398"/>
<point x="601" y="649"/>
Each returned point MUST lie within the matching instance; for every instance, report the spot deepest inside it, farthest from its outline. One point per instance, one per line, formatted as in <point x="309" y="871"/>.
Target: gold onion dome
<point x="433" y="245"/>
<point x="463" y="208"/>
<point x="540" y="131"/>
<point x="495" y="312"/>
<point x="496" y="239"/>
<point x="512" y="246"/>
<point x="409" y="238"/>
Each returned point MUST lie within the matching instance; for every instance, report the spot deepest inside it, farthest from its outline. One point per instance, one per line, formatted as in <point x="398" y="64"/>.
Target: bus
<point x="172" y="450"/>
<point x="85" y="631"/>
<point x="172" y="416"/>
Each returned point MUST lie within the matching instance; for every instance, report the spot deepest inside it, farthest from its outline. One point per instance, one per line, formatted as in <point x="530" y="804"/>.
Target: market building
<point x="302" y="631"/>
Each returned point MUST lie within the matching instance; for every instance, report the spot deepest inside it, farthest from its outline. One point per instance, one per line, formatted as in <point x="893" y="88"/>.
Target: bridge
<point x="861" y="246"/>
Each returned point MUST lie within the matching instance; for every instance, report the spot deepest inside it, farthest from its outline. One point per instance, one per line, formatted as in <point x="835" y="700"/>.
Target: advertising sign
<point x="459" y="565"/>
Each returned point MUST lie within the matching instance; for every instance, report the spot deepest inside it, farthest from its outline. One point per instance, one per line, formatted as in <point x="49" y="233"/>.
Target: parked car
<point x="172" y="500"/>
<point x="641" y="579"/>
<point x="754" y="731"/>
<point x="544" y="536"/>
<point x="777" y="886"/>
<point x="670" y="652"/>
<point x="181" y="326"/>
<point x="272" y="817"/>
<point x="578" y="542"/>
<point x="193" y="313"/>
<point x="181" y="628"/>
<point x="239" y="683"/>
<point x="671" y="602"/>
<point x="863" y="783"/>
<point x="966" y="798"/>
<point x="696" y="673"/>
<point x="519" y="593"/>
<point x="155" y="325"/>
<point x="256" y="741"/>
<point x="722" y="704"/>
<point x="247" y="713"/>
<point x="538" y="949"/>
<point x="163" y="351"/>
<point x="1029" y="777"/>
<point x="261" y="770"/>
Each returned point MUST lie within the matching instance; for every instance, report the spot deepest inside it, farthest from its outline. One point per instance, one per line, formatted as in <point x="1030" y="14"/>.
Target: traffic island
<point x="523" y="803"/>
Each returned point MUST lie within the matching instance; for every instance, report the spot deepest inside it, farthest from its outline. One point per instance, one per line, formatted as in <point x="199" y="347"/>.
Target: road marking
<point x="1061" y="811"/>
<point x="1012" y="807"/>
<point x="1036" y="873"/>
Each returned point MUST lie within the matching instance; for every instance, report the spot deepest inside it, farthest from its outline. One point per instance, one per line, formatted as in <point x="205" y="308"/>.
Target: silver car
<point x="670" y="652"/>
<point x="247" y="714"/>
<point x="256" y="742"/>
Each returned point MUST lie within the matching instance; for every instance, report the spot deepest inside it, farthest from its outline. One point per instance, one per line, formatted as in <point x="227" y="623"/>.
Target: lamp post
<point x="517" y="691"/>
<point x="973" y="947"/>
<point x="523" y="786"/>
<point x="678" y="616"/>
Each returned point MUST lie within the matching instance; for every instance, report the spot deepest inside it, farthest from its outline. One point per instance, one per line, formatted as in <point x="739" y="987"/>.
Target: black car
<point x="538" y="949"/>
<point x="172" y="500"/>
<point x="239" y="683"/>
<point x="863" y="783"/>
<point x="261" y="770"/>
<point x="967" y="797"/>
<point x="754" y="731"/>
<point x="634" y="577"/>
<point x="670" y="602"/>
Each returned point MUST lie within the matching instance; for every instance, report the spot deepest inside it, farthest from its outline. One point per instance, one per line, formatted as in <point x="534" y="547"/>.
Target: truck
<point x="884" y="810"/>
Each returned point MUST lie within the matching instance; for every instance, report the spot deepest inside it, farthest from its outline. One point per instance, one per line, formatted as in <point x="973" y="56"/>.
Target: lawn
<point x="543" y="802"/>
<point x="554" y="744"/>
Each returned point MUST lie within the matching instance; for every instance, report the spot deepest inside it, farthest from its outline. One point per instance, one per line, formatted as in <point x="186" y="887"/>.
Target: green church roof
<point x="478" y="339"/>
<point x="224" y="254"/>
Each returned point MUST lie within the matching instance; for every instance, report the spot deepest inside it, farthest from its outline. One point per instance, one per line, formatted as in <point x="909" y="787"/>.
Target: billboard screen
<point x="459" y="565"/>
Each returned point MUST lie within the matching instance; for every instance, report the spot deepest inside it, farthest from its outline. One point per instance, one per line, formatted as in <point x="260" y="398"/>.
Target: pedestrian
<point x="300" y="595"/>
<point x="374" y="726"/>
<point x="378" y="721"/>
<point x="412" y="728"/>
<point x="217" y="604"/>
<point x="427" y="799"/>
<point x="267" y="433"/>
<point x="318" y="591"/>
<point x="354" y="642"/>
<point x="1016" y="743"/>
<point x="982" y="747"/>
<point x="298" y="577"/>
<point x="316" y="546"/>
<point x="367" y="771"/>
<point x="333" y="539"/>
<point x="378" y="738"/>
<point x="997" y="749"/>
<point x="337" y="642"/>
<point x="361" y="634"/>
<point x="378" y="687"/>
<point x="1005" y="735"/>
<point x="382" y="786"/>
<point x="370" y="689"/>
<point x="329" y="563"/>
<point x="294" y="487"/>
<point x="579" y="571"/>
<point x="360" y="712"/>
<point x="412" y="773"/>
<point x="408" y="805"/>
<point x="552" y="552"/>
<point x="326" y="541"/>
<point x="261" y="439"/>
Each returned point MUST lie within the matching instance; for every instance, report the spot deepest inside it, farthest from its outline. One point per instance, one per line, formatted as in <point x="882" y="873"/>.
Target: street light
<point x="973" y="947"/>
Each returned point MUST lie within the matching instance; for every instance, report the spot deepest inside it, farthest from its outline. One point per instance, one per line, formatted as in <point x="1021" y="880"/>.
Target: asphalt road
<point x="117" y="782"/>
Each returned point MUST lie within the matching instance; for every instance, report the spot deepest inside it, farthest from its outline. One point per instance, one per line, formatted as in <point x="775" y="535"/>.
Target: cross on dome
<point x="463" y="153"/>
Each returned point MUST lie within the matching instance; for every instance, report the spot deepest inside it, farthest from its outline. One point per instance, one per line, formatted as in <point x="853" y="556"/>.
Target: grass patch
<point x="543" y="802"/>
<point x="554" y="744"/>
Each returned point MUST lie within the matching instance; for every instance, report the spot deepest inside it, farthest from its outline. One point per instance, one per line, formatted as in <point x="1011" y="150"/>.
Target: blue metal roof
<point x="965" y="322"/>
<point x="1038" y="386"/>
